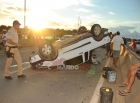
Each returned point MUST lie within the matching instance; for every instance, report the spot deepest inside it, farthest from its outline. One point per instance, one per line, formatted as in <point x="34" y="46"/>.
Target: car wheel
<point x="82" y="29"/>
<point x="47" y="52"/>
<point x="97" y="32"/>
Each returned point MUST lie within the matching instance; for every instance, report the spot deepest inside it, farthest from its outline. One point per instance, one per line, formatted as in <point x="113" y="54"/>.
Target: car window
<point x="137" y="42"/>
<point x="65" y="36"/>
<point x="106" y="32"/>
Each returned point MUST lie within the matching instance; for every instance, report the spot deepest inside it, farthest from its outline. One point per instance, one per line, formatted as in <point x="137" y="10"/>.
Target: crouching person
<point x="12" y="51"/>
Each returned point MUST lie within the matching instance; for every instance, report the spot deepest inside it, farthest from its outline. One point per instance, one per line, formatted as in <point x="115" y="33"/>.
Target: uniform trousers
<point x="18" y="59"/>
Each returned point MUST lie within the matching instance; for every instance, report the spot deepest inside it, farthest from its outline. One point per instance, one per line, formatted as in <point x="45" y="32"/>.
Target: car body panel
<point x="74" y="50"/>
<point x="63" y="38"/>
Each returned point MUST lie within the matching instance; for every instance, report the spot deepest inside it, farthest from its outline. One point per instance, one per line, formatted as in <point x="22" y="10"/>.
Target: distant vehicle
<point x="71" y="51"/>
<point x="63" y="37"/>
<point x="138" y="46"/>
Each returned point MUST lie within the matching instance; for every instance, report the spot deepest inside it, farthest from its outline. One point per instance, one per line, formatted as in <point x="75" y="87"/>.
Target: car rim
<point x="97" y="30"/>
<point x="46" y="49"/>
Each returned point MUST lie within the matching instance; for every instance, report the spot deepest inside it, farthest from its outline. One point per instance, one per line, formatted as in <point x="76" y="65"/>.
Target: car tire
<point x="47" y="52"/>
<point x="100" y="37"/>
<point x="82" y="29"/>
<point x="97" y="32"/>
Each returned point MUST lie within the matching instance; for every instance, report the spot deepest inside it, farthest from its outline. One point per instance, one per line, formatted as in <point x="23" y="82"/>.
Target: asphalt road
<point x="49" y="86"/>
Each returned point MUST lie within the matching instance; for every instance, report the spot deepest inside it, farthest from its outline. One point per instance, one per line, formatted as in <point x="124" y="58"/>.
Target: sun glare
<point x="37" y="24"/>
<point x="36" y="21"/>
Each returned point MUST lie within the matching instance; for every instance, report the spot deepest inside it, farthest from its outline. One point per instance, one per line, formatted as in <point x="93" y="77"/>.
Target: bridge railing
<point x="128" y="58"/>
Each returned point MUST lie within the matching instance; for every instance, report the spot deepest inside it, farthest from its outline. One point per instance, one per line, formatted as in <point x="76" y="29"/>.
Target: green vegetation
<point x="91" y="71"/>
<point x="31" y="37"/>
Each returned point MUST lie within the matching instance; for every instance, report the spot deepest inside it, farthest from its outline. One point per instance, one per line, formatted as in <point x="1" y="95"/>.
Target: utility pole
<point x="24" y="13"/>
<point x="78" y="21"/>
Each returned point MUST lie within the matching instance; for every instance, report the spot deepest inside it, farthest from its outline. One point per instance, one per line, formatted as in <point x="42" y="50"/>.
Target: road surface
<point x="49" y="86"/>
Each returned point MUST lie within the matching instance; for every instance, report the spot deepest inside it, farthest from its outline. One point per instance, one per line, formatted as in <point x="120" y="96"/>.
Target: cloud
<point x="122" y="28"/>
<point x="131" y="22"/>
<point x="57" y="4"/>
<point x="6" y="12"/>
<point x="51" y="4"/>
<point x="111" y="13"/>
<point x="86" y="2"/>
<point x="20" y="9"/>
<point x="126" y="31"/>
<point x="51" y="23"/>
<point x="10" y="8"/>
<point x="92" y="18"/>
<point x="82" y="10"/>
<point x="115" y="22"/>
<point x="89" y="20"/>
<point x="57" y="24"/>
<point x="2" y="16"/>
<point x="15" y="9"/>
<point x="10" y="13"/>
<point x="13" y="18"/>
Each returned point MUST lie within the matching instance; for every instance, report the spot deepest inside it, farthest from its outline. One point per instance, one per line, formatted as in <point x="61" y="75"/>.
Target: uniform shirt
<point x="13" y="35"/>
<point x="117" y="41"/>
<point x="5" y="35"/>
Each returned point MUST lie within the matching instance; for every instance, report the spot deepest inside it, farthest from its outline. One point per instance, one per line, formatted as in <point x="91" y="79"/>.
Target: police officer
<point x="12" y="51"/>
<point x="4" y="31"/>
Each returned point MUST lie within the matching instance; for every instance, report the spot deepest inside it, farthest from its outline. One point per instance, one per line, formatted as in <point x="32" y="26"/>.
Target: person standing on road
<point x="108" y="49"/>
<point x="4" y="36"/>
<point x="12" y="51"/>
<point x="1" y="42"/>
<point x="111" y="45"/>
<point x="133" y="45"/>
<point x="117" y="41"/>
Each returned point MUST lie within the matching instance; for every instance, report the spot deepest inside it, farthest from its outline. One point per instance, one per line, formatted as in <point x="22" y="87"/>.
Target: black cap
<point x="118" y="33"/>
<point x="16" y="22"/>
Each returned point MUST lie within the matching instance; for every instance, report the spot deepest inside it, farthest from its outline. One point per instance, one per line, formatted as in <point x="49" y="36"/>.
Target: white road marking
<point x="108" y="62"/>
<point x="17" y="70"/>
<point x="96" y="94"/>
<point x="25" y="63"/>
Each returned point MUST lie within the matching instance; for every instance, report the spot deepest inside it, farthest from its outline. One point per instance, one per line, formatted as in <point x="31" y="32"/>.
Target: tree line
<point x="43" y="32"/>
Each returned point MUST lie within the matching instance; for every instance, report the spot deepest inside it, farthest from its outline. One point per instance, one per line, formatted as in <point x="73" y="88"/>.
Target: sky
<point x="116" y="15"/>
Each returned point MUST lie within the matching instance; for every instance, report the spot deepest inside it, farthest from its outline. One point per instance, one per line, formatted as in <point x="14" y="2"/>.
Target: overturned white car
<point x="71" y="51"/>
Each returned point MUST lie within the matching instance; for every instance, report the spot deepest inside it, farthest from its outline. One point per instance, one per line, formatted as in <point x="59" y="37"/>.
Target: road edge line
<point x="96" y="94"/>
<point x="17" y="70"/>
